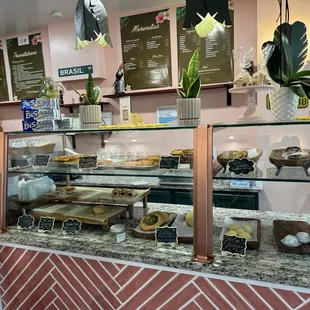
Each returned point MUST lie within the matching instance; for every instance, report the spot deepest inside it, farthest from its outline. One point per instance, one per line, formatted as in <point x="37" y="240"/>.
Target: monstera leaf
<point x="297" y="37"/>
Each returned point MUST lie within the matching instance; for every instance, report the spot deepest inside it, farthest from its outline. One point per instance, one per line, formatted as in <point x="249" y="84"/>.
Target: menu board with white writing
<point x="26" y="65"/>
<point x="216" y="58"/>
<point x="4" y="96"/>
<point x="146" y="50"/>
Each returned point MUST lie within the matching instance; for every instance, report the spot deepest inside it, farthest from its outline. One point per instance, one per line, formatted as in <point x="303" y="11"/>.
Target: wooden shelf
<point x="72" y="105"/>
<point x="165" y="90"/>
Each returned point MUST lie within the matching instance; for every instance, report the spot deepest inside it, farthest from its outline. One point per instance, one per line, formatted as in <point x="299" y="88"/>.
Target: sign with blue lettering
<point x="81" y="70"/>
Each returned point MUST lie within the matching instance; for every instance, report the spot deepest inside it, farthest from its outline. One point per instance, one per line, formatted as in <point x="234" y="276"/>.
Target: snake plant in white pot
<point x="189" y="106"/>
<point x="285" y="56"/>
<point x="90" y="113"/>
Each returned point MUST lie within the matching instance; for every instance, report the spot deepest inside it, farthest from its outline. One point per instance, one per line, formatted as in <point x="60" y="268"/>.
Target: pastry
<point x="177" y="153"/>
<point x="116" y="192"/>
<point x="152" y="220"/>
<point x="247" y="229"/>
<point x="189" y="219"/>
<point x="154" y="158"/>
<point x="245" y="235"/>
<point x="131" y="193"/>
<point x="188" y="152"/>
<point x="123" y="192"/>
<point x="233" y="227"/>
<point x="67" y="159"/>
<point x="239" y="231"/>
<point x="98" y="210"/>
<point x="67" y="189"/>
<point x="231" y="233"/>
<point x="237" y="154"/>
<point x="294" y="152"/>
<point x="260" y="78"/>
<point x="244" y="79"/>
<point x="103" y="162"/>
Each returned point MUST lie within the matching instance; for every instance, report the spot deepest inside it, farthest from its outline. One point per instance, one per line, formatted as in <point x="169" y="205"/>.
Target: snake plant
<point x="191" y="83"/>
<point x="286" y="55"/>
<point x="93" y="94"/>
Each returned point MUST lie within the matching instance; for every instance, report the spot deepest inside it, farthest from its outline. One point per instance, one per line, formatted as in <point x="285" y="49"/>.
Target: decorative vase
<point x="284" y="103"/>
<point x="90" y="116"/>
<point x="189" y="110"/>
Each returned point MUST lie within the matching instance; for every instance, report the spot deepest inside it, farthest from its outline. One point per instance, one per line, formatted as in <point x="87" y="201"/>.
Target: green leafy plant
<point x="286" y="55"/>
<point x="191" y="83"/>
<point x="93" y="94"/>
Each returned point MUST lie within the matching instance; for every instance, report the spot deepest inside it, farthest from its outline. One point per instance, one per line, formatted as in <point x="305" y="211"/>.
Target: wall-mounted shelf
<point x="150" y="92"/>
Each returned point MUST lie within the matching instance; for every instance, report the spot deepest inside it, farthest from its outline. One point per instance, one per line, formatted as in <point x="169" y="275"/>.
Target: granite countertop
<point x="265" y="264"/>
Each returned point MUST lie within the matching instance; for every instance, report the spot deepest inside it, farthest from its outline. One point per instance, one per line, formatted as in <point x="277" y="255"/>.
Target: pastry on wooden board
<point x="98" y="210"/>
<point x="189" y="217"/>
<point x="116" y="192"/>
<point x="154" y="219"/>
<point x="131" y="193"/>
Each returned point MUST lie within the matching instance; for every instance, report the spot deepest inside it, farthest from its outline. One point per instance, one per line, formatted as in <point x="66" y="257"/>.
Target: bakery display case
<point x="49" y="186"/>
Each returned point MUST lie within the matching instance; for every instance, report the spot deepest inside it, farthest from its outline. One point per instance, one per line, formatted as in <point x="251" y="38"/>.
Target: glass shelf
<point x="98" y="131"/>
<point x="259" y="124"/>
<point x="181" y="173"/>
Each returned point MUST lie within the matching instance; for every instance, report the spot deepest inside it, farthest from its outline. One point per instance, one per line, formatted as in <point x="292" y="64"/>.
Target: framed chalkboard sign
<point x="88" y="162"/>
<point x="25" y="221"/>
<point x="234" y="245"/>
<point x="242" y="166"/>
<point x="46" y="224"/>
<point x="166" y="235"/>
<point x="71" y="227"/>
<point x="41" y="160"/>
<point x="169" y="163"/>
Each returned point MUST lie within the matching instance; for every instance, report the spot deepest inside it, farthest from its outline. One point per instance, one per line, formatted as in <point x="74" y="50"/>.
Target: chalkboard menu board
<point x="146" y="50"/>
<point x="42" y="160"/>
<point x="4" y="96"/>
<point x="26" y="65"/>
<point x="216" y="59"/>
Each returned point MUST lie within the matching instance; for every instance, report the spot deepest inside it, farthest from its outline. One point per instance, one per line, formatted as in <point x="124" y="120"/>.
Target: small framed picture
<point x="107" y="118"/>
<point x="167" y="114"/>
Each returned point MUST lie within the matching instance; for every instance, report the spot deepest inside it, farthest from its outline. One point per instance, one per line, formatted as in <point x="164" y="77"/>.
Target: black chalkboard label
<point x="46" y="224"/>
<point x="26" y="221"/>
<point x="169" y="162"/>
<point x="166" y="235"/>
<point x="42" y="160"/>
<point x="234" y="245"/>
<point x="241" y="166"/>
<point x="71" y="226"/>
<point x="88" y="162"/>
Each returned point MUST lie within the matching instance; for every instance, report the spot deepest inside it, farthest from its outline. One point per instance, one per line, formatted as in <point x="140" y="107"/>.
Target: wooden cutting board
<point x="83" y="213"/>
<point x="95" y="194"/>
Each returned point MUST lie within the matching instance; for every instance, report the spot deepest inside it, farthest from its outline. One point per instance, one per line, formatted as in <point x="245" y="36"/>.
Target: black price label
<point x="42" y="160"/>
<point x="26" y="221"/>
<point x="88" y="162"/>
<point x="166" y="235"/>
<point x="71" y="226"/>
<point x="46" y="224"/>
<point x="241" y="166"/>
<point x="234" y="245"/>
<point x="169" y="162"/>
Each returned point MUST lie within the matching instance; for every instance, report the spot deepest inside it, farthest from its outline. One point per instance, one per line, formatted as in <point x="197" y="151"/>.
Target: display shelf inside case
<point x="260" y="124"/>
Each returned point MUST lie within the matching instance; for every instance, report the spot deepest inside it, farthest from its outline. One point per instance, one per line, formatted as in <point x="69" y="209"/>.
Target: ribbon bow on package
<point x="91" y="24"/>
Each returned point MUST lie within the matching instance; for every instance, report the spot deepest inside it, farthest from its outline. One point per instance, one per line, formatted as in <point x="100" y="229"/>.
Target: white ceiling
<point x="20" y="16"/>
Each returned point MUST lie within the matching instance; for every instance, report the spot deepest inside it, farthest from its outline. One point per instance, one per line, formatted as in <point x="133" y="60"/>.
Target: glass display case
<point x="50" y="186"/>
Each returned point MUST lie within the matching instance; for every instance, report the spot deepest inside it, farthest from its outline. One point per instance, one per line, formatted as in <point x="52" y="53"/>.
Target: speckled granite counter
<point x="265" y="264"/>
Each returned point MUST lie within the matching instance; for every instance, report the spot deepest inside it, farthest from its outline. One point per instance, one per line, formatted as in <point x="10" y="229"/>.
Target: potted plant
<point x="90" y="113"/>
<point x="285" y="56"/>
<point x="189" y="106"/>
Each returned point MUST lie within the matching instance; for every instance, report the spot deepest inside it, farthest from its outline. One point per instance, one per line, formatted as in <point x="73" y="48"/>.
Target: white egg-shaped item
<point x="303" y="237"/>
<point x="291" y="241"/>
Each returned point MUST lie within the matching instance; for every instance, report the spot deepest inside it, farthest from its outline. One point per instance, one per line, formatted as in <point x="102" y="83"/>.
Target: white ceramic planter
<point x="90" y="116"/>
<point x="284" y="103"/>
<point x="189" y="111"/>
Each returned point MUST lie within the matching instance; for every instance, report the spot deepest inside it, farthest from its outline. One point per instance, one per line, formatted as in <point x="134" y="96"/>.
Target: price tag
<point x="26" y="221"/>
<point x="71" y="227"/>
<point x="241" y="166"/>
<point x="166" y="235"/>
<point x="169" y="163"/>
<point x="46" y="224"/>
<point x="233" y="245"/>
<point x="88" y="162"/>
<point x="41" y="160"/>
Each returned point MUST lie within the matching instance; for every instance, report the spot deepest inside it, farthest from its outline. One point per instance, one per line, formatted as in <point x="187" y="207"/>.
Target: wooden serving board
<point x="96" y="195"/>
<point x="283" y="228"/>
<point x="83" y="213"/>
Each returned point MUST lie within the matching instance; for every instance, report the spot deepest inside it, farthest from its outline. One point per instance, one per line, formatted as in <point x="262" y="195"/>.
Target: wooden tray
<point x="83" y="213"/>
<point x="96" y="195"/>
<point x="32" y="150"/>
<point x="252" y="245"/>
<point x="224" y="161"/>
<point x="283" y="228"/>
<point x="276" y="159"/>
